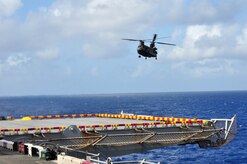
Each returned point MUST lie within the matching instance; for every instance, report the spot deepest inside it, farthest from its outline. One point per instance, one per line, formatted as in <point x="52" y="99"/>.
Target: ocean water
<point x="189" y="104"/>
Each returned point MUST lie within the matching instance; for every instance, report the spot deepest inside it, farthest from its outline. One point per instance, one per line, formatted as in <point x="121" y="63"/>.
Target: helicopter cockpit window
<point x="141" y="44"/>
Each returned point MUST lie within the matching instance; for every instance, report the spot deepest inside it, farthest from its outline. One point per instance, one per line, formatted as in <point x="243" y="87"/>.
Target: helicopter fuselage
<point x="146" y="51"/>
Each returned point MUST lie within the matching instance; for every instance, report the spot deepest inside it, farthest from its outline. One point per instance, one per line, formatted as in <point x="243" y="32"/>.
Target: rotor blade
<point x="154" y="37"/>
<point x="157" y="38"/>
<point x="131" y="39"/>
<point x="169" y="44"/>
<point x="163" y="37"/>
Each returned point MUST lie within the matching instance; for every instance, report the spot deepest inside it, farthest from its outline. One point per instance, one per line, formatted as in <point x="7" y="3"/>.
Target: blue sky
<point x="65" y="47"/>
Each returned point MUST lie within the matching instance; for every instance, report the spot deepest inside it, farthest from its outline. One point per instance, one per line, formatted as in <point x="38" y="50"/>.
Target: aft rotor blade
<point x="169" y="44"/>
<point x="163" y="37"/>
<point x="131" y="39"/>
<point x="154" y="38"/>
<point x="157" y="38"/>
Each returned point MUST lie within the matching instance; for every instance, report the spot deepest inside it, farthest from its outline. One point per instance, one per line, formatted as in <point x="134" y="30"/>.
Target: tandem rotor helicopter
<point x="148" y="51"/>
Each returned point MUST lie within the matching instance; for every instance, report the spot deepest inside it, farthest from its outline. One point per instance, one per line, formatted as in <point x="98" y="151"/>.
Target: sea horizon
<point x="119" y="93"/>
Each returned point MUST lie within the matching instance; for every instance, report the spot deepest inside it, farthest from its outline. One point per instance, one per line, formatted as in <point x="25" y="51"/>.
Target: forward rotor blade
<point x="169" y="44"/>
<point x="131" y="39"/>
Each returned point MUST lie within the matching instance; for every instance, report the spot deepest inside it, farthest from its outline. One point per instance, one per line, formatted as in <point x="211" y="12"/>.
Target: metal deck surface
<point x="102" y="136"/>
<point x="10" y="157"/>
<point x="85" y="121"/>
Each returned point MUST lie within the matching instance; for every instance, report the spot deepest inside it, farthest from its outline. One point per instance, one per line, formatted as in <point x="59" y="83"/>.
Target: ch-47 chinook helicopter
<point x="148" y="51"/>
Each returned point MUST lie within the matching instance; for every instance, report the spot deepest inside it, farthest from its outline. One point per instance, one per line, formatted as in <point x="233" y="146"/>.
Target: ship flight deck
<point x="105" y="133"/>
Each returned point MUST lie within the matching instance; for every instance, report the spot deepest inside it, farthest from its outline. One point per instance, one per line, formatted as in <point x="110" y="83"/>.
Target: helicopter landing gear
<point x="155" y="58"/>
<point x="145" y="58"/>
<point x="139" y="56"/>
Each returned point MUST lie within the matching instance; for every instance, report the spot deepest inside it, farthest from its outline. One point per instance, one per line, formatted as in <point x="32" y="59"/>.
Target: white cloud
<point x="13" y="62"/>
<point x="97" y="25"/>
<point x="17" y="60"/>
<point x="195" y="33"/>
<point x="100" y="25"/>
<point x="103" y="45"/>
<point x="208" y="42"/>
<point x="209" y="51"/>
<point x="50" y="53"/>
<point x="57" y="13"/>
<point x="200" y="12"/>
<point x="242" y="42"/>
<point x="8" y="7"/>
<point x="207" y="68"/>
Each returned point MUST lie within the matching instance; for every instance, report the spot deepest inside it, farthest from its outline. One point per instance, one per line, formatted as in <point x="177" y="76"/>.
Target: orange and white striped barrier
<point x="157" y="121"/>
